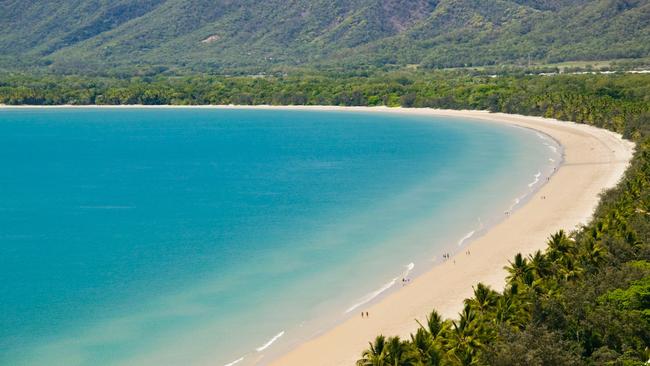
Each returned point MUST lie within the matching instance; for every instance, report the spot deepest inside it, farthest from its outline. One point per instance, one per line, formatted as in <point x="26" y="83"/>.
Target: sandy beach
<point x="594" y="160"/>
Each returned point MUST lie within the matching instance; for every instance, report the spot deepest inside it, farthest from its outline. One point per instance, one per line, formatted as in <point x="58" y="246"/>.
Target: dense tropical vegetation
<point x="617" y="102"/>
<point x="226" y="36"/>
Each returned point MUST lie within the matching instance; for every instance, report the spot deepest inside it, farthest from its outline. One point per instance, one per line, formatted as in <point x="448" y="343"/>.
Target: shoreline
<point x="592" y="160"/>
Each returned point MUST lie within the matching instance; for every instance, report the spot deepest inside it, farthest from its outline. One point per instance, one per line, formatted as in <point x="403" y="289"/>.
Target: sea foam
<point x="466" y="237"/>
<point x="235" y="362"/>
<point x="531" y="184"/>
<point x="553" y="148"/>
<point x="369" y="297"/>
<point x="270" y="342"/>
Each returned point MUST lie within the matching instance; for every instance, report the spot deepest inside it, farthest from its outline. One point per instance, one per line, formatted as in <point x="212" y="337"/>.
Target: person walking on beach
<point x="366" y="314"/>
<point x="362" y="315"/>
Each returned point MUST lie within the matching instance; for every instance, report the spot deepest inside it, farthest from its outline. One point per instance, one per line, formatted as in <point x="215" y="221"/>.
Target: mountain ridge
<point x="101" y="35"/>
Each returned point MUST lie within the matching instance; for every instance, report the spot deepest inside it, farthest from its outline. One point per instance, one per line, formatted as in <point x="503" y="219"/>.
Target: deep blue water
<point x="193" y="236"/>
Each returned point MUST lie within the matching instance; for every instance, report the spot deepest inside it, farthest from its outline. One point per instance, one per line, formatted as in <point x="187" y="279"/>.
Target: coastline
<point x="594" y="160"/>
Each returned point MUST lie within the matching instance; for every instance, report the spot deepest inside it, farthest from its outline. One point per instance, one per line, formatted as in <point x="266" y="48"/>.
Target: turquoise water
<point x="198" y="236"/>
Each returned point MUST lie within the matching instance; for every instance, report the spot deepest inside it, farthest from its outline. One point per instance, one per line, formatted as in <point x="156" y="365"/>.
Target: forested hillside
<point x="91" y="36"/>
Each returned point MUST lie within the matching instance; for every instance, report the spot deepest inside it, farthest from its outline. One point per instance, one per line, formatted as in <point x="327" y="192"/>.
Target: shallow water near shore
<point x="183" y="236"/>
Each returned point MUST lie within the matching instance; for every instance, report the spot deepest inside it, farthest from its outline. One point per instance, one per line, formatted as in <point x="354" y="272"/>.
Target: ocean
<point x="167" y="236"/>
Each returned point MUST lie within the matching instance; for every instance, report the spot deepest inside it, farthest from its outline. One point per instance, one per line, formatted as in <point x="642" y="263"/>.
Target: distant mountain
<point x="218" y="35"/>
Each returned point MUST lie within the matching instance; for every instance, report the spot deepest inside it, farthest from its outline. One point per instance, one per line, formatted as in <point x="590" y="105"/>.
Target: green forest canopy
<point x="224" y="36"/>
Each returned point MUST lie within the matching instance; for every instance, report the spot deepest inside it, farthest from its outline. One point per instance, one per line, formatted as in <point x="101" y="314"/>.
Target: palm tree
<point x="519" y="270"/>
<point x="435" y="324"/>
<point x="592" y="252"/>
<point x="376" y="354"/>
<point x="539" y="264"/>
<point x="560" y="247"/>
<point x="599" y="229"/>
<point x="484" y="298"/>
<point x="400" y="353"/>
<point x="466" y="337"/>
<point x="428" y="352"/>
<point x="504" y="309"/>
<point x="512" y="310"/>
<point x="571" y="270"/>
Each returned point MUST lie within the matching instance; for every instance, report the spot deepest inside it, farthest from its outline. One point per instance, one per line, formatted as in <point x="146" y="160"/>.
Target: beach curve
<point x="594" y="160"/>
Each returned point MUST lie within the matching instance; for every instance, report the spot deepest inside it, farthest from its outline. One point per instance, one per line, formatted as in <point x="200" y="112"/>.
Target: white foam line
<point x="382" y="289"/>
<point x="409" y="268"/>
<point x="552" y="148"/>
<point x="531" y="184"/>
<point x="235" y="362"/>
<point x="467" y="236"/>
<point x="516" y="202"/>
<point x="372" y="295"/>
<point x="270" y="342"/>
